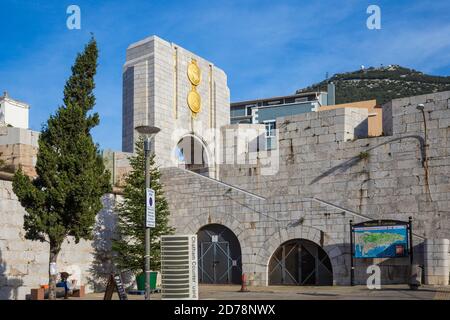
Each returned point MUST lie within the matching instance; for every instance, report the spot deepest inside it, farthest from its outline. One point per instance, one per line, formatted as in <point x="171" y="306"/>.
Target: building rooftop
<point x="7" y="98"/>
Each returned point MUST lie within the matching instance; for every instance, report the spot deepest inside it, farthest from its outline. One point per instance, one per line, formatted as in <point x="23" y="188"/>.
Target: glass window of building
<point x="270" y="134"/>
<point x="270" y="128"/>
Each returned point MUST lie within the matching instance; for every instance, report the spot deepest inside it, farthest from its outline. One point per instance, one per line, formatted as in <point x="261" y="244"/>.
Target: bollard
<point x="416" y="277"/>
<point x="244" y="284"/>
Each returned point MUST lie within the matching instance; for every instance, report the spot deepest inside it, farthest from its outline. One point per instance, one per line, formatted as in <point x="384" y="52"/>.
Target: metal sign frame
<point x="115" y="284"/>
<point x="380" y="223"/>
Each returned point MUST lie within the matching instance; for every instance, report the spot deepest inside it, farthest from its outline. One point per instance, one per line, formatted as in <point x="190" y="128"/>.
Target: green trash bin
<point x="140" y="280"/>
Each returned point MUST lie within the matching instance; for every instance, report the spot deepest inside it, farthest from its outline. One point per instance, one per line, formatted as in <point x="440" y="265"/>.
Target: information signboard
<point x="381" y="241"/>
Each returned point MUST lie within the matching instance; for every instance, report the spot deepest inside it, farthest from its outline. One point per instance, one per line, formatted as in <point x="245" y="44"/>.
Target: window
<point x="304" y="99"/>
<point x="237" y="111"/>
<point x="249" y="109"/>
<point x="271" y="103"/>
<point x="270" y="134"/>
<point x="289" y="100"/>
<point x="270" y="128"/>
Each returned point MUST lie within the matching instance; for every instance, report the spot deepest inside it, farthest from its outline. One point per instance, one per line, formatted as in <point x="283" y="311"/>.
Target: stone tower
<point x="184" y="95"/>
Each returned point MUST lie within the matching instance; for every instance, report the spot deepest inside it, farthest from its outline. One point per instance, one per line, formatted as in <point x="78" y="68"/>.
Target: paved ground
<point x="392" y="292"/>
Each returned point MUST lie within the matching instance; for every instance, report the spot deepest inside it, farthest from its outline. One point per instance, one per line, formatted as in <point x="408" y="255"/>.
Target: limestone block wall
<point x="118" y="165"/>
<point x="12" y="135"/>
<point x="406" y="174"/>
<point x="240" y="144"/>
<point x="138" y="80"/>
<point x="15" y="155"/>
<point x="389" y="177"/>
<point x="261" y="225"/>
<point x="24" y="263"/>
<point x="18" y="146"/>
<point x="328" y="174"/>
<point x="437" y="261"/>
<point x="387" y="119"/>
<point x="325" y="178"/>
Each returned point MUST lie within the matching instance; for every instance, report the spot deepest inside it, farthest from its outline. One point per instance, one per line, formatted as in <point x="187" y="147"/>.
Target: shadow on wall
<point x="344" y="166"/>
<point x="362" y="129"/>
<point x="102" y="265"/>
<point x="9" y="287"/>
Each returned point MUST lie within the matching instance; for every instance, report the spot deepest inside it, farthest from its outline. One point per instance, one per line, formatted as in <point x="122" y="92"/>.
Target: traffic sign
<point x="150" y="209"/>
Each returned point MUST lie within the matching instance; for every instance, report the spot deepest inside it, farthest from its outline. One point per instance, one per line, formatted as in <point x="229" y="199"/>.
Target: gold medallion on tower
<point x="195" y="77"/>
<point x="194" y="101"/>
<point x="194" y="73"/>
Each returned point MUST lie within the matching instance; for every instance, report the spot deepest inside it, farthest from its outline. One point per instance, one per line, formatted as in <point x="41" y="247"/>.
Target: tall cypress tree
<point x="129" y="247"/>
<point x="64" y="198"/>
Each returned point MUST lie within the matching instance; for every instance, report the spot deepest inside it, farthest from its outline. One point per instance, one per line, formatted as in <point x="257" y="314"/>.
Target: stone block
<point x="444" y="123"/>
<point x="327" y="138"/>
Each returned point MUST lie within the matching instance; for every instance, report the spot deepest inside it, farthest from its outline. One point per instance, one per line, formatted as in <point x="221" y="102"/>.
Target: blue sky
<point x="266" y="47"/>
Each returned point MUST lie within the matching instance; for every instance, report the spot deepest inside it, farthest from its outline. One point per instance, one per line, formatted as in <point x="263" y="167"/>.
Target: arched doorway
<point x="191" y="154"/>
<point x="300" y="262"/>
<point x="219" y="255"/>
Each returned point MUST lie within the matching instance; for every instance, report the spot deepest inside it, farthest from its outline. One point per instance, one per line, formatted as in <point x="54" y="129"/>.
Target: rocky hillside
<point x="382" y="84"/>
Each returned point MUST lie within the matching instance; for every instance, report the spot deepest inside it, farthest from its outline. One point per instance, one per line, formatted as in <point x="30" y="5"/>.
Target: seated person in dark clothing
<point x="64" y="283"/>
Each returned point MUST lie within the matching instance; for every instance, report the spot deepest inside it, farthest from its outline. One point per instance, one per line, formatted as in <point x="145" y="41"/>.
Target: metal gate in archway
<point x="219" y="255"/>
<point x="300" y="262"/>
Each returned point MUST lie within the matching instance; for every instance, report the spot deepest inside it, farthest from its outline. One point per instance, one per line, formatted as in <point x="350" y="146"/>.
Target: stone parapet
<point x="437" y="261"/>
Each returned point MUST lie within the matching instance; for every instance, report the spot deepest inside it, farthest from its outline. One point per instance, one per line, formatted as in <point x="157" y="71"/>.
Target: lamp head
<point x="148" y="131"/>
<point x="420" y="106"/>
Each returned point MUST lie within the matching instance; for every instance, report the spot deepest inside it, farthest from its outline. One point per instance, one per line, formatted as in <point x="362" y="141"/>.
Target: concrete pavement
<point x="231" y="292"/>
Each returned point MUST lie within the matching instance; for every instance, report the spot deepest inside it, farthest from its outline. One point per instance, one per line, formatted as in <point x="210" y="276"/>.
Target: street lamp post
<point x="148" y="132"/>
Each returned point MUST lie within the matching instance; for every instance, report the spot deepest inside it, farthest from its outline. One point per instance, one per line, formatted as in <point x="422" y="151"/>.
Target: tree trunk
<point x="52" y="278"/>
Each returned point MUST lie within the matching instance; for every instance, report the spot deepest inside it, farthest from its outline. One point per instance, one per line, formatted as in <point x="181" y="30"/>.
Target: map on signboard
<point x="381" y="241"/>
